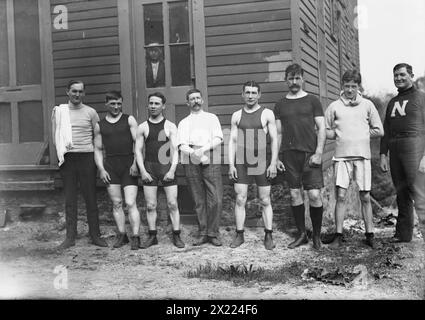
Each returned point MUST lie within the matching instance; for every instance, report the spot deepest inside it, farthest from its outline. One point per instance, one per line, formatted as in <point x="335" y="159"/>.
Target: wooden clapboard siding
<point x="88" y="50"/>
<point x="332" y="56"/>
<point x="245" y="40"/>
<point x="309" y="46"/>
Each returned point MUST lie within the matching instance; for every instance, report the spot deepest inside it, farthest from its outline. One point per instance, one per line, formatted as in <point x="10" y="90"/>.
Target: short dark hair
<point x="71" y="82"/>
<point x="403" y="65"/>
<point x="352" y="75"/>
<point x="251" y="83"/>
<point x="113" y="95"/>
<point x="293" y="69"/>
<point x="193" y="90"/>
<point x="158" y="95"/>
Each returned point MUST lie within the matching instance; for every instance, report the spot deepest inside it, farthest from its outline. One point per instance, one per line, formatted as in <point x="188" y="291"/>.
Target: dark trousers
<point x="206" y="186"/>
<point x="405" y="156"/>
<point x="80" y="169"/>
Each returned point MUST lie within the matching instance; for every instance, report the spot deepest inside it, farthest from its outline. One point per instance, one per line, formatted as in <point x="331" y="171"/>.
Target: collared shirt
<point x="199" y="129"/>
<point x="155" y="69"/>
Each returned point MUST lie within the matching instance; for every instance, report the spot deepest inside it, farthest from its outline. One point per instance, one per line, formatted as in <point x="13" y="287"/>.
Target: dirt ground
<point x="31" y="268"/>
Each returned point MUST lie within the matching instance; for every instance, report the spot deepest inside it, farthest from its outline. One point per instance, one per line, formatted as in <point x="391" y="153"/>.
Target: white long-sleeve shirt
<point x="199" y="129"/>
<point x="354" y="125"/>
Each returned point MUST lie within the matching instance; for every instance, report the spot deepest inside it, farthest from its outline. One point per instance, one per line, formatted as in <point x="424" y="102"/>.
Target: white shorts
<point x="358" y="170"/>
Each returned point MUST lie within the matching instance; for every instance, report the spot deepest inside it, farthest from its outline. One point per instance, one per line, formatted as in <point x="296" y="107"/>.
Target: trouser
<point x="206" y="187"/>
<point x="80" y="169"/>
<point x="405" y="156"/>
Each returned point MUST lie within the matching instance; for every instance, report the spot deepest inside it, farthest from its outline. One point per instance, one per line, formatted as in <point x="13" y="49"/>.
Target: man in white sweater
<point x="352" y="120"/>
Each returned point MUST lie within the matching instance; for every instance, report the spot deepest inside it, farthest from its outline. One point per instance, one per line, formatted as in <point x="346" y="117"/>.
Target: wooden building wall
<point x="245" y="40"/>
<point x="328" y="46"/>
<point x="88" y="50"/>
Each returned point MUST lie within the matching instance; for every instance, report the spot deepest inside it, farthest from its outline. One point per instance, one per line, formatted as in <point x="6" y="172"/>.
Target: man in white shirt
<point x="199" y="135"/>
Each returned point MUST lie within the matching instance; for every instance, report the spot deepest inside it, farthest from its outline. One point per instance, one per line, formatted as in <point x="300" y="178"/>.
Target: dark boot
<point x="299" y="216"/>
<point x="201" y="241"/>
<point x="98" y="241"/>
<point x="152" y="240"/>
<point x="370" y="241"/>
<point x="316" y="215"/>
<point x="268" y="240"/>
<point x="135" y="242"/>
<point x="337" y="241"/>
<point x="71" y="231"/>
<point x="176" y="239"/>
<point x="68" y="242"/>
<point x="238" y="240"/>
<point x="121" y="240"/>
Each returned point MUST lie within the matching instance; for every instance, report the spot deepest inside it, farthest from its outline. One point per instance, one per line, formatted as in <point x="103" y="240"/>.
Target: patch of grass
<point x="243" y="274"/>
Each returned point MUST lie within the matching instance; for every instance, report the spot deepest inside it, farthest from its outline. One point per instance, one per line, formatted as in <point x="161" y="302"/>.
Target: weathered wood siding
<point x="309" y="45"/>
<point x="245" y="40"/>
<point x="328" y="47"/>
<point x="88" y="50"/>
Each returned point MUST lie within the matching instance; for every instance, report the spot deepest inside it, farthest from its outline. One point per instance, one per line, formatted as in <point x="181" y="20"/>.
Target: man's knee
<point x="241" y="200"/>
<point x="117" y="204"/>
<point x="265" y="201"/>
<point x="150" y="206"/>
<point x="365" y="197"/>
<point x="130" y="203"/>
<point x="341" y="195"/>
<point x="315" y="198"/>
<point x="296" y="197"/>
<point x="172" y="205"/>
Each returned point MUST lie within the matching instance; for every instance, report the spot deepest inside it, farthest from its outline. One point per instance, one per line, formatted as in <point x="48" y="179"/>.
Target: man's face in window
<point x="154" y="54"/>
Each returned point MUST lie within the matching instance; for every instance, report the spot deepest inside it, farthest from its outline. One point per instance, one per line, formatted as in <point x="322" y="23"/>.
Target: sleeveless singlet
<point x="155" y="140"/>
<point x="252" y="140"/>
<point x="116" y="137"/>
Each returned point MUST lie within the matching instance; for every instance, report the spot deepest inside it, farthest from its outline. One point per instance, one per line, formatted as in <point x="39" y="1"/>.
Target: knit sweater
<point x="352" y="124"/>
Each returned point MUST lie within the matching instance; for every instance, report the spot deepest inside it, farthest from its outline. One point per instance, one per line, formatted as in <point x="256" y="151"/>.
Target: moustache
<point x="294" y="86"/>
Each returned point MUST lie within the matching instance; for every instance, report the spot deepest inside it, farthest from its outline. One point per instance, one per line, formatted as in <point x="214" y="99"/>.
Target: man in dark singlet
<point x="298" y="114"/>
<point x="404" y="138"/>
<point x="250" y="161"/>
<point x="158" y="138"/>
<point x="116" y="134"/>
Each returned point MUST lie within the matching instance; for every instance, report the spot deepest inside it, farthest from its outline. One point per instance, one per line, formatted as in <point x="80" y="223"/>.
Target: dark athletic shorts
<point x="247" y="177"/>
<point x="299" y="173"/>
<point x="118" y="168"/>
<point x="157" y="172"/>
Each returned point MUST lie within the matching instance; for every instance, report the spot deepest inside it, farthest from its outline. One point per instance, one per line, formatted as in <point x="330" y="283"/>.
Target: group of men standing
<point x="298" y="127"/>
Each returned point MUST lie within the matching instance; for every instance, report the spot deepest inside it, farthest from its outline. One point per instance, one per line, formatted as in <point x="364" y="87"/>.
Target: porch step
<point x="27" y="185"/>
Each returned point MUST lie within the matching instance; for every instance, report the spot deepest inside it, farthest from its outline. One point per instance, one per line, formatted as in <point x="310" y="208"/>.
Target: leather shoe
<point x="201" y="241"/>
<point x="135" y="242"/>
<point x="66" y="244"/>
<point x="176" y="239"/>
<point x="97" y="241"/>
<point x="268" y="241"/>
<point x="121" y="240"/>
<point x="215" y="241"/>
<point x="302" y="239"/>
<point x="397" y="240"/>
<point x="238" y="240"/>
<point x="152" y="240"/>
<point x="337" y="242"/>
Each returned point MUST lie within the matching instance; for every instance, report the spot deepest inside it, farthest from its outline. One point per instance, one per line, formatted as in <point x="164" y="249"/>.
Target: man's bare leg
<point x="171" y="194"/>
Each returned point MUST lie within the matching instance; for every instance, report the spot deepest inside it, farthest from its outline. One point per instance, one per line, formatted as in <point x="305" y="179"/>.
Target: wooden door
<point x="23" y="124"/>
<point x="164" y="26"/>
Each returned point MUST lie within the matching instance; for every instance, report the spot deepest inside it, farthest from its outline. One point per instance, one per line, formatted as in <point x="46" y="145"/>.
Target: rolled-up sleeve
<point x="182" y="133"/>
<point x="216" y="128"/>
